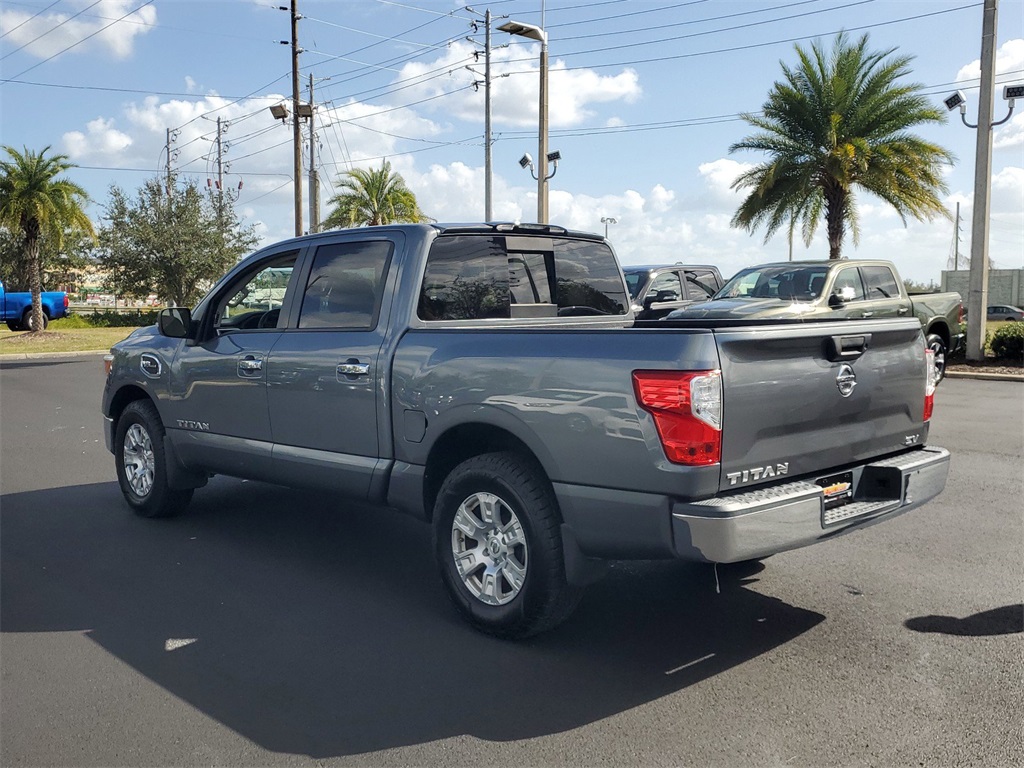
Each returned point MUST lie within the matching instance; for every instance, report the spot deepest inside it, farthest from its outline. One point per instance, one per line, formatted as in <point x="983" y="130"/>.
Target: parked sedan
<point x="1005" y="312"/>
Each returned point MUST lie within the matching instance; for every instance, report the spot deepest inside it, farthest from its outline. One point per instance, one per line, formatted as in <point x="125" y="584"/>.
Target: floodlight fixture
<point x="279" y="111"/>
<point x="554" y="157"/>
<point x="526" y="161"/>
<point x="956" y="100"/>
<point x="1011" y="92"/>
<point x="305" y="111"/>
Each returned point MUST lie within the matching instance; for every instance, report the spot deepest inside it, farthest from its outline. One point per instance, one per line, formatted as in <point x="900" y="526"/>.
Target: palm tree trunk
<point x="34" y="281"/>
<point x="835" y="212"/>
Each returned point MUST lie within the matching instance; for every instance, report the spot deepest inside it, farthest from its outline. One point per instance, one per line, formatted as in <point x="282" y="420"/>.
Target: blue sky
<point x="645" y="97"/>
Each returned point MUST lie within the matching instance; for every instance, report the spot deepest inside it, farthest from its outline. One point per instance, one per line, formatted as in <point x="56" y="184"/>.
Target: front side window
<point x="254" y="301"/>
<point x="473" y="277"/>
<point x="666" y="287"/>
<point x="345" y="285"/>
<point x="848" y="286"/>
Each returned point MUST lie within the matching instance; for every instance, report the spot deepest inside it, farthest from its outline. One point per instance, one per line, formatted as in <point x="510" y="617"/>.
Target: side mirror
<point x="174" y="322"/>
<point x="842" y="295"/>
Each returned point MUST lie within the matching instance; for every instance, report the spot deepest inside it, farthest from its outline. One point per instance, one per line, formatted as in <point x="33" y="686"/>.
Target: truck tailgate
<point x="808" y="398"/>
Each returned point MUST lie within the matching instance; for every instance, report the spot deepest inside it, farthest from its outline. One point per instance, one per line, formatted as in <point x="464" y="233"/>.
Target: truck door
<point x="324" y="375"/>
<point x="219" y="395"/>
<point x="884" y="294"/>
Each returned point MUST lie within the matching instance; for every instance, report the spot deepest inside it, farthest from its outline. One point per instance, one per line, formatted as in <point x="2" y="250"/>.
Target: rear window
<point x="475" y="277"/>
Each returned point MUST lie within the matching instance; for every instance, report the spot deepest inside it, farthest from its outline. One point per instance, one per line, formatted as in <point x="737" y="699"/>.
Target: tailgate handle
<point x="847" y="347"/>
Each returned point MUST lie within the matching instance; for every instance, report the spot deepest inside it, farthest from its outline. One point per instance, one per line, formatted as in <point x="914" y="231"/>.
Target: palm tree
<point x="35" y="203"/>
<point x="372" y="197"/>
<point x="841" y="120"/>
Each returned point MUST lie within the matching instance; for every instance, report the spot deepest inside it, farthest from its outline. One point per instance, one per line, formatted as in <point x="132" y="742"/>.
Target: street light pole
<point x="542" y="140"/>
<point x="533" y="32"/>
<point x="977" y="295"/>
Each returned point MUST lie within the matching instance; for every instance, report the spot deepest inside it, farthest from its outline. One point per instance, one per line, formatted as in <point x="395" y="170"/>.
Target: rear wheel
<point x="28" y="325"/>
<point x="498" y="544"/>
<point x="938" y="347"/>
<point x="141" y="463"/>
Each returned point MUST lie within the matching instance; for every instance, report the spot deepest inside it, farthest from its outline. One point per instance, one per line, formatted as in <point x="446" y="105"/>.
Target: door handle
<point x="841" y="348"/>
<point x="867" y="314"/>
<point x="353" y="369"/>
<point x="902" y="311"/>
<point x="250" y="365"/>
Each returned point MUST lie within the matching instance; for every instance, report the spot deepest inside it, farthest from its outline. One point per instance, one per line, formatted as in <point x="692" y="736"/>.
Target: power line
<point x="30" y="18"/>
<point x="87" y="37"/>
<point x="51" y="29"/>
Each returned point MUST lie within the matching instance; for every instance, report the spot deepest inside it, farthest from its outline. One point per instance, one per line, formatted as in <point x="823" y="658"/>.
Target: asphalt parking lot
<point x="273" y="627"/>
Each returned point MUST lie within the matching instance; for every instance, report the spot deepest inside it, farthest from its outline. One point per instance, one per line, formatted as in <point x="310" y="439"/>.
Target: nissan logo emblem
<point x="846" y="380"/>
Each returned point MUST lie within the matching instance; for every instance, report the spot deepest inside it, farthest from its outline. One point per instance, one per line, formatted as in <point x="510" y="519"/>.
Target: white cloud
<point x="1011" y="134"/>
<point x="100" y="142"/>
<point x="515" y="80"/>
<point x="1009" y="58"/>
<point x="719" y="176"/>
<point x="98" y="26"/>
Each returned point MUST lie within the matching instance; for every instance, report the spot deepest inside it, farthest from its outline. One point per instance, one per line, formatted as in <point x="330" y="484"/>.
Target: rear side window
<point x="345" y="285"/>
<point x="880" y="283"/>
<point x="473" y="277"/>
<point x="701" y="285"/>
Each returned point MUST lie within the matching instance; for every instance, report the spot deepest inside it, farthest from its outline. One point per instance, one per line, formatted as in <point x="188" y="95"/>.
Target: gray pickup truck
<point x="840" y="289"/>
<point x="491" y="380"/>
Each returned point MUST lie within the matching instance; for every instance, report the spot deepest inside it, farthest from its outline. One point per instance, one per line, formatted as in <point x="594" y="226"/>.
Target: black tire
<point x="14" y="325"/>
<point x="139" y="437"/>
<point x="544" y="598"/>
<point x="938" y="346"/>
<point x="26" y="321"/>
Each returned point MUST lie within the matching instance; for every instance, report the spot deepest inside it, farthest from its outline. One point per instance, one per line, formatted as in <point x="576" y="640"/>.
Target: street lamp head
<point x="609" y="220"/>
<point x="956" y="100"/>
<point x="554" y="157"/>
<point x="521" y="29"/>
<point x="1011" y="92"/>
<point x="279" y="111"/>
<point x="526" y="161"/>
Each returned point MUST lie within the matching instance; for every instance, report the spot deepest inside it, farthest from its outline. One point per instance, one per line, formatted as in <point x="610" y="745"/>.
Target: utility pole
<point x="220" y="164"/>
<point x="956" y="241"/>
<point x="296" y="125"/>
<point x="314" y="178"/>
<point x="167" y="147"/>
<point x="487" y="117"/>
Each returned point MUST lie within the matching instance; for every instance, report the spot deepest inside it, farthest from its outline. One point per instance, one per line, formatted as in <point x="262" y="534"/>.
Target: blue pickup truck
<point x="16" y="308"/>
<point x="492" y="381"/>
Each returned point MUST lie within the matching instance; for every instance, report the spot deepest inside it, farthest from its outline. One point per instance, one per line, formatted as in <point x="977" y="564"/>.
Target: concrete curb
<point x="981" y="376"/>
<point x="51" y="355"/>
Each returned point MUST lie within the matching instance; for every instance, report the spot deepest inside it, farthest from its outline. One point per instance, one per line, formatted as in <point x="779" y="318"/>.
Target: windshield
<point x="786" y="283"/>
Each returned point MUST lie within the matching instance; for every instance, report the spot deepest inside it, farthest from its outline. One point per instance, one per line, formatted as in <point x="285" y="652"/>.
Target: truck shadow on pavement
<point x="317" y="627"/>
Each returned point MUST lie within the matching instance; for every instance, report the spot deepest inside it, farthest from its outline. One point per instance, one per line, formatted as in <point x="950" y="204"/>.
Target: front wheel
<point x="498" y="544"/>
<point x="141" y="463"/>
<point x="938" y="347"/>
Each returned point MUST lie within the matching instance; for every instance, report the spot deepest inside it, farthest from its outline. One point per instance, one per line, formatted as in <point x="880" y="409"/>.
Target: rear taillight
<point x="687" y="411"/>
<point x="108" y="363"/>
<point x="962" y="313"/>
<point x="930" y="380"/>
<point x="66" y="302"/>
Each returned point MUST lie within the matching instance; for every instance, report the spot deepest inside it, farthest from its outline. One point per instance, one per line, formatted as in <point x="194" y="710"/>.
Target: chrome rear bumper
<point x="763" y="521"/>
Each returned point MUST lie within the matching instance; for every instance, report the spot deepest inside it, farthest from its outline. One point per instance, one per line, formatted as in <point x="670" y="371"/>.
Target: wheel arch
<point x="462" y="442"/>
<point x="941" y="329"/>
<point x="124" y="397"/>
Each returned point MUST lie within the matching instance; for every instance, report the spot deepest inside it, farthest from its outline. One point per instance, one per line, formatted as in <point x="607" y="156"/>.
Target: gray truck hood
<point x="744" y="308"/>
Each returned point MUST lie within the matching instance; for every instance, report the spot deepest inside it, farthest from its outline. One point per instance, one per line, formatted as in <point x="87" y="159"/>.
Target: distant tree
<point x="174" y="245"/>
<point x="841" y="120"/>
<point x="372" y="197"/>
<point x="36" y="204"/>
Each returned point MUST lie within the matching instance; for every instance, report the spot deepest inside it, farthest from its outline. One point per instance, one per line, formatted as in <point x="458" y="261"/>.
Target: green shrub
<point x="1008" y="342"/>
<point x="69" y="322"/>
<point x="108" y="318"/>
